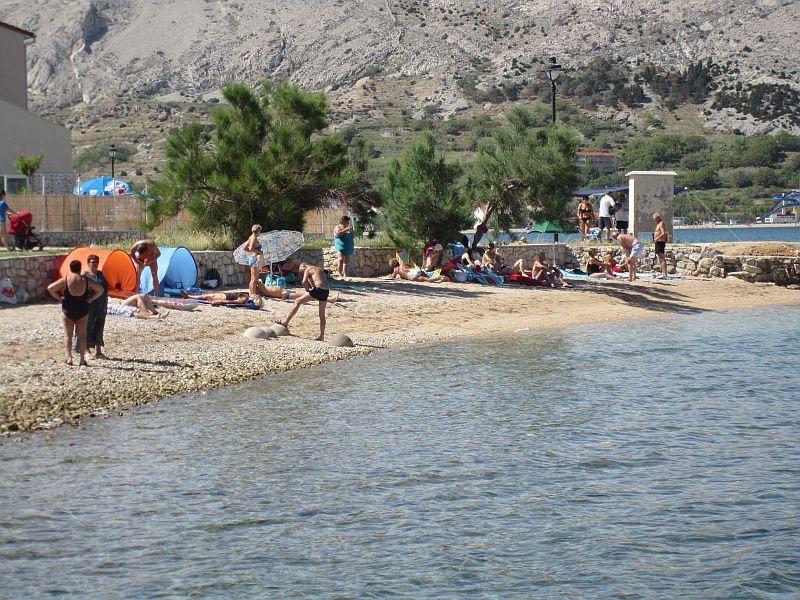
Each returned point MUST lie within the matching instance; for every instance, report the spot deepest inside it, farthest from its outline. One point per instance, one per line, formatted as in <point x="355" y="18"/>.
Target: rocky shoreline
<point x="191" y="352"/>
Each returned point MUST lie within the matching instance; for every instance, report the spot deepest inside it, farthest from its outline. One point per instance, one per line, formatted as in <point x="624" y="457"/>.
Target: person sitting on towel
<point x="546" y="274"/>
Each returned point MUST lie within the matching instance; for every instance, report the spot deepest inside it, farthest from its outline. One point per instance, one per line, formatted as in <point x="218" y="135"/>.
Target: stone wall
<point x="366" y="262"/>
<point x="31" y="275"/>
<point x="706" y="261"/>
<point x="529" y="252"/>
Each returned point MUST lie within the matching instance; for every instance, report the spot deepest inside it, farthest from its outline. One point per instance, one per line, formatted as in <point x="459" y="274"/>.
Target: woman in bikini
<point x="585" y="216"/>
<point x="75" y="293"/>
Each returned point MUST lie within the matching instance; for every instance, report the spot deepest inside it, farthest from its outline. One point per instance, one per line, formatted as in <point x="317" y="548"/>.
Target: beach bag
<point x="7" y="293"/>
<point x="460" y="276"/>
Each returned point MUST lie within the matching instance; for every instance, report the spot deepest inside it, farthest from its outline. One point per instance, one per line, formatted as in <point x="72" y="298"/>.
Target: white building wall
<point x="650" y="192"/>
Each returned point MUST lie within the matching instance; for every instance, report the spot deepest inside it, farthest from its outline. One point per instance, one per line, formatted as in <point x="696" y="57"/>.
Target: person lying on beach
<point x="411" y="273"/>
<point x="315" y="284"/>
<point x="145" y="253"/>
<point x="226" y="298"/>
<point x="139" y="306"/>
<point x="633" y="250"/>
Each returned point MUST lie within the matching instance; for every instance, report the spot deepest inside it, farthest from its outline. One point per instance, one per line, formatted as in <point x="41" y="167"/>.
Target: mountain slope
<point x="88" y="50"/>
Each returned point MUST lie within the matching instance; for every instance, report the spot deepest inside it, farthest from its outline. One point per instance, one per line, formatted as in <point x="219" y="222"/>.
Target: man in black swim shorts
<point x="660" y="239"/>
<point x="315" y="282"/>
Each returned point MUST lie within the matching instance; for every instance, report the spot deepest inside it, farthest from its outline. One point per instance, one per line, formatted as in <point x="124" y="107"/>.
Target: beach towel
<point x="523" y="280"/>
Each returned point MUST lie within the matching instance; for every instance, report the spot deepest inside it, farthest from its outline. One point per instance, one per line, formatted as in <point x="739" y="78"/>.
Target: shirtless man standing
<point x="633" y="250"/>
<point x="660" y="238"/>
<point x="145" y="253"/>
<point x="315" y="283"/>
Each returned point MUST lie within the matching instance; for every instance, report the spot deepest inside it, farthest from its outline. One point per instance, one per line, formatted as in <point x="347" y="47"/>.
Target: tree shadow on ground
<point x="664" y="298"/>
<point x="411" y="288"/>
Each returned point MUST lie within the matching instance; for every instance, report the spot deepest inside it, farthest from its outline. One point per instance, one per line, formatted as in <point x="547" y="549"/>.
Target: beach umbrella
<point x="102" y="186"/>
<point x="554" y="228"/>
<point x="276" y="245"/>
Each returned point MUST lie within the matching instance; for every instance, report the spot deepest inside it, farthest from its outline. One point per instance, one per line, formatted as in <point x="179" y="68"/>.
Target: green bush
<point x="95" y="158"/>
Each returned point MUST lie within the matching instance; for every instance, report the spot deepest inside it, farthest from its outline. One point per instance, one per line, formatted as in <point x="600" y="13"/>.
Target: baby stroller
<point x="19" y="225"/>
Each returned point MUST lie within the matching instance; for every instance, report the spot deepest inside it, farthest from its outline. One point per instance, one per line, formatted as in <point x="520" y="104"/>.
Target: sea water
<point x="694" y="235"/>
<point x="646" y="459"/>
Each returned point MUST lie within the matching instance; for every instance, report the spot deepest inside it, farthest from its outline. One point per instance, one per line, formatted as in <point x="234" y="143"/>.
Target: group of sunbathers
<point x="476" y="264"/>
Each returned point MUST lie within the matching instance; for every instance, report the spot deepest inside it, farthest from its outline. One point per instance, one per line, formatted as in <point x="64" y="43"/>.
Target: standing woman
<point x="344" y="240"/>
<point x="75" y="294"/>
<point x="585" y="215"/>
<point x="97" y="309"/>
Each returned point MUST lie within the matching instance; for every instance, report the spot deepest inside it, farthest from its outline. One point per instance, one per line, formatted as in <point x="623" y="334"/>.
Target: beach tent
<point x="116" y="265"/>
<point x="102" y="186"/>
<point x="177" y="269"/>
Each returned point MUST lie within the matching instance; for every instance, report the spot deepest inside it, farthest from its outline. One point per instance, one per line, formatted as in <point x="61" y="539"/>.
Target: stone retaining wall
<point x="529" y="252"/>
<point x="31" y="275"/>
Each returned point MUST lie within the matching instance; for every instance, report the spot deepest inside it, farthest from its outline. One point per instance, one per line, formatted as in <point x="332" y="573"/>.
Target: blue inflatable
<point x="177" y="270"/>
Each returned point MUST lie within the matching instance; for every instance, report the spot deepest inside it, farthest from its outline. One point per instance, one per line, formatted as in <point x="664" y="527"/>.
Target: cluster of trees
<point x="268" y="160"/>
<point x="694" y="84"/>
<point x="766" y="101"/>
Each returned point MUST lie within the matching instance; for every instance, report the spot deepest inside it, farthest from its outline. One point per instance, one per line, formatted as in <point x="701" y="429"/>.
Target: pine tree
<point x="422" y="199"/>
<point x="524" y="173"/>
<point x="266" y="161"/>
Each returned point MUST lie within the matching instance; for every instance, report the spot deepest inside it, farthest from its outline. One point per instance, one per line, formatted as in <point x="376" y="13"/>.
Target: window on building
<point x="15" y="184"/>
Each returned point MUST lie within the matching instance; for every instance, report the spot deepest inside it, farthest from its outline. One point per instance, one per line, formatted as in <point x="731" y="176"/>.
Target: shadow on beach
<point x="410" y="288"/>
<point x="658" y="299"/>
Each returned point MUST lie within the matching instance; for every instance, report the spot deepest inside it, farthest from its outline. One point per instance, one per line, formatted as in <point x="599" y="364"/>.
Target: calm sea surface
<point x="697" y="236"/>
<point x="656" y="460"/>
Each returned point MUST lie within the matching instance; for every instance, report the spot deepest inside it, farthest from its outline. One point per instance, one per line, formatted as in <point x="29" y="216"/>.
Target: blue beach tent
<point x="102" y="186"/>
<point x="177" y="270"/>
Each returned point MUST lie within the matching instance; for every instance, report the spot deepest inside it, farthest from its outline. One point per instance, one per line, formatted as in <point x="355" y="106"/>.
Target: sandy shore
<point x="151" y="360"/>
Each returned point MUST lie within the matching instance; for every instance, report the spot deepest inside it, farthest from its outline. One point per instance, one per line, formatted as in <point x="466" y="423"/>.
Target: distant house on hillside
<point x="604" y="162"/>
<point x="22" y="132"/>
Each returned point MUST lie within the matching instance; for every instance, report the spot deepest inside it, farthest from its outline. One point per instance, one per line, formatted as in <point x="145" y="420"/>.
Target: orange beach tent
<point x="116" y="265"/>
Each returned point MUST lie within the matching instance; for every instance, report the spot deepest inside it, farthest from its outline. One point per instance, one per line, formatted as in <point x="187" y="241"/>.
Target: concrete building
<point x="604" y="162"/>
<point x="24" y="133"/>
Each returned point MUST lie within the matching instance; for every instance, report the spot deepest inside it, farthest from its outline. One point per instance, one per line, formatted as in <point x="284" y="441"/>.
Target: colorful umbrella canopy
<point x="276" y="245"/>
<point x="102" y="186"/>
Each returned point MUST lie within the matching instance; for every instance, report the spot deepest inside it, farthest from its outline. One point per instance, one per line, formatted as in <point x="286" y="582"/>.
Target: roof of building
<point x="24" y="32"/>
<point x="597" y="154"/>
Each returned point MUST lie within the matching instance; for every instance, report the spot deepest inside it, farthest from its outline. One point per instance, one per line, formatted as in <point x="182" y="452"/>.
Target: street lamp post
<point x="552" y="70"/>
<point x="112" y="153"/>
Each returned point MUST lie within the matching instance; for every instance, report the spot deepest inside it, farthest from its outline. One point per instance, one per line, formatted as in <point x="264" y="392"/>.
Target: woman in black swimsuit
<point x="75" y="293"/>
<point x="585" y="215"/>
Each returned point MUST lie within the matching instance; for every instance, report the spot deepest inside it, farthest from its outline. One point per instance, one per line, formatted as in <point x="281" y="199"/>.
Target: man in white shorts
<point x="607" y="208"/>
<point x="633" y="250"/>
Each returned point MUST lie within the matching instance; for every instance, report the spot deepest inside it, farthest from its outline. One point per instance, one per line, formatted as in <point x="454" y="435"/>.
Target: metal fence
<point x="81" y="213"/>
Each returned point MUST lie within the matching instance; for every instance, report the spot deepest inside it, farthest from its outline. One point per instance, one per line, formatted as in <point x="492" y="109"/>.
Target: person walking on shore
<point x="145" y="253"/>
<point x="315" y="284"/>
<point x="633" y="250"/>
<point x="660" y="239"/>
<point x="607" y="209"/>
<point x="4" y="210"/>
<point x="96" y="323"/>
<point x="75" y="294"/>
<point x="344" y="240"/>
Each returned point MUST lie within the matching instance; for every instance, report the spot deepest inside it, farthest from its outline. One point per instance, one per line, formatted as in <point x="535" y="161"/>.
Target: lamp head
<point x="552" y="69"/>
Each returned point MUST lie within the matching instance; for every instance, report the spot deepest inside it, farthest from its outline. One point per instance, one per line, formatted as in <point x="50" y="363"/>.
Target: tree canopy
<point x="265" y="160"/>
<point x="422" y="199"/>
<point x="28" y="165"/>
<point x="524" y="173"/>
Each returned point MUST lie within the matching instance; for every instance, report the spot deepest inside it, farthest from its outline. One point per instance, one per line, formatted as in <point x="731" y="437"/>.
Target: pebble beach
<point x="193" y="351"/>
